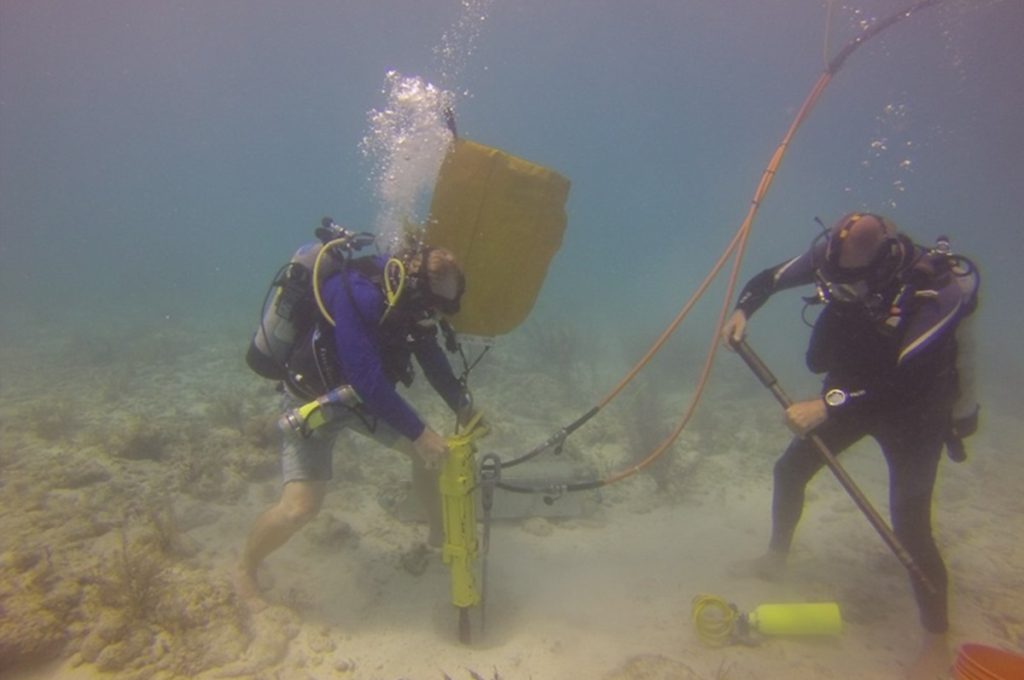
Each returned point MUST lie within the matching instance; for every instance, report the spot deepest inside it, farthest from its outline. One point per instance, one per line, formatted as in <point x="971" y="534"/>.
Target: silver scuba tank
<point x="291" y="310"/>
<point x="287" y="312"/>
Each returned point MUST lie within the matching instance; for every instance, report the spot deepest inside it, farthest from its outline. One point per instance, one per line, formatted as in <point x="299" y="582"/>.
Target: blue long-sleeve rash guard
<point x="357" y="305"/>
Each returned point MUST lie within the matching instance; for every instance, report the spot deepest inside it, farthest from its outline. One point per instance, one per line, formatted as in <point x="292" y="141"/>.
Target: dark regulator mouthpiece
<point x="329" y="230"/>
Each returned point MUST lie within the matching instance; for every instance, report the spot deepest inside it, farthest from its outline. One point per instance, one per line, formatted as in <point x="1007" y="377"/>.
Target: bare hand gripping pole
<point x="768" y="380"/>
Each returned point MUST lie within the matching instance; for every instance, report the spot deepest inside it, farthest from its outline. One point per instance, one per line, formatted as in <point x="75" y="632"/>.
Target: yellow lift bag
<point x="503" y="218"/>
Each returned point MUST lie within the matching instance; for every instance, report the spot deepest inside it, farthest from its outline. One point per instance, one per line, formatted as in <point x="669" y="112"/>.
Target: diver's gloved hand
<point x="735" y="329"/>
<point x="965" y="426"/>
<point x="961" y="428"/>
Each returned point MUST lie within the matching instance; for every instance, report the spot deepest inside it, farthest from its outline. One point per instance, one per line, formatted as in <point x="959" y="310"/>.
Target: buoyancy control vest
<point x="968" y="278"/>
<point x="927" y="270"/>
<point x="937" y="265"/>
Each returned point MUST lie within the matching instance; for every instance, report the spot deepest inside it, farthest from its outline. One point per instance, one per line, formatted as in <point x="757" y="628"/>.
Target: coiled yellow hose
<point x="715" y="620"/>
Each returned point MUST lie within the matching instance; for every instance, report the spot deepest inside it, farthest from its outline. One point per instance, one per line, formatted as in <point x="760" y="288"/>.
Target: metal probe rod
<point x="768" y="380"/>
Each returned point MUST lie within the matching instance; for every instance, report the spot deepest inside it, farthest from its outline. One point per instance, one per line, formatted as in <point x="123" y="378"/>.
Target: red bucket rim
<point x="969" y="670"/>
<point x="984" y="662"/>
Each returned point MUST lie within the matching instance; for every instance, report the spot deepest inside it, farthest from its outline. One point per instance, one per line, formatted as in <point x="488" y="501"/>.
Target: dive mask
<point x="851" y="290"/>
<point x="445" y="295"/>
<point x="866" y="284"/>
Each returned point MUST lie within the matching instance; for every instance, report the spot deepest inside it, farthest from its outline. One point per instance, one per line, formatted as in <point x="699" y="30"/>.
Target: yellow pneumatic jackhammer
<point x="461" y="548"/>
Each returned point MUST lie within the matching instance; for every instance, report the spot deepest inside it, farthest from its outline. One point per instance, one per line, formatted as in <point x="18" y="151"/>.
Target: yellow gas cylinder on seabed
<point x="719" y="622"/>
<point x="805" y="618"/>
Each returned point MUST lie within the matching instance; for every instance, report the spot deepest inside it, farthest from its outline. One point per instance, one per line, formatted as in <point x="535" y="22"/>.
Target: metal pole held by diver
<point x="768" y="379"/>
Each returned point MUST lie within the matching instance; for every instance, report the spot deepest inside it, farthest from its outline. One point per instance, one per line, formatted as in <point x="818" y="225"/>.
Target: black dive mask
<point x="449" y="306"/>
<point x="867" y="285"/>
<point x="423" y="296"/>
<point x="848" y="291"/>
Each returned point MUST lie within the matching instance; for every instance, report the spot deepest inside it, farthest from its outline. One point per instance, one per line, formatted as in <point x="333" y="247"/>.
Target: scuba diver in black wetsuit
<point x="886" y="341"/>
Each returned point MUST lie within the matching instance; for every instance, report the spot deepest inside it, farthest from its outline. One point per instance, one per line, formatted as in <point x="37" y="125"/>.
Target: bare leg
<point x="299" y="503"/>
<point x="425" y="486"/>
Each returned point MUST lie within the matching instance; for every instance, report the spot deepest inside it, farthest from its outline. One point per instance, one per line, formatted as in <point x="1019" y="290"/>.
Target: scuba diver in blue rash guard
<point x="372" y="344"/>
<point x="377" y="313"/>
<point x="886" y="342"/>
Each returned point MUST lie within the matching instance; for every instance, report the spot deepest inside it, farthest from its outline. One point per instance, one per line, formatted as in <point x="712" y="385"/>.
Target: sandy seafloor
<point x="131" y="471"/>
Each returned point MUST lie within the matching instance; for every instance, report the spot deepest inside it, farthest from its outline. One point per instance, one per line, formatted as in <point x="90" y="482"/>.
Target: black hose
<point x="558" y="439"/>
<point x="869" y="33"/>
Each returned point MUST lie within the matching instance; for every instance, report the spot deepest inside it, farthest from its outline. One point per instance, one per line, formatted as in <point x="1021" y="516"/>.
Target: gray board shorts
<point x="310" y="459"/>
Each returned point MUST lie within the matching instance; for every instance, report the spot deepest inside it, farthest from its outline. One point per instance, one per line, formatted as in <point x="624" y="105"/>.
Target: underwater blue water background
<point x="159" y="160"/>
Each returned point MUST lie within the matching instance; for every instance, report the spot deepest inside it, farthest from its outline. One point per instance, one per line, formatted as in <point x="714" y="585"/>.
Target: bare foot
<point x="769" y="566"/>
<point x="417" y="559"/>
<point x="933" y="661"/>
<point x="247" y="587"/>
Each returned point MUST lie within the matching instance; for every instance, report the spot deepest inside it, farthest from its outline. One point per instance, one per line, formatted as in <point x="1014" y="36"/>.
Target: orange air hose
<point x="736" y="249"/>
<point x="738" y="246"/>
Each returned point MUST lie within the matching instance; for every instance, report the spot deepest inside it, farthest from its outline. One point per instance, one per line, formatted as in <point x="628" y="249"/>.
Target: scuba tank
<point x="290" y="306"/>
<point x="805" y="618"/>
<point x="719" y="622"/>
<point x="285" y="313"/>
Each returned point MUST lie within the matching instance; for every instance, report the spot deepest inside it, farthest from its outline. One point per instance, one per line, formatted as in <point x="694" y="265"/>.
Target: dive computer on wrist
<point x="836" y="397"/>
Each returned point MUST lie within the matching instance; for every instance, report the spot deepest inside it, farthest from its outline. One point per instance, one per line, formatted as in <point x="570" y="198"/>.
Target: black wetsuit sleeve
<point x="797" y="271"/>
<point x="756" y="292"/>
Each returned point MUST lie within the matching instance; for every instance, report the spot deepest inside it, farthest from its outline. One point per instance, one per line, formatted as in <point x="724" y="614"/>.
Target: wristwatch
<point x="836" y="397"/>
